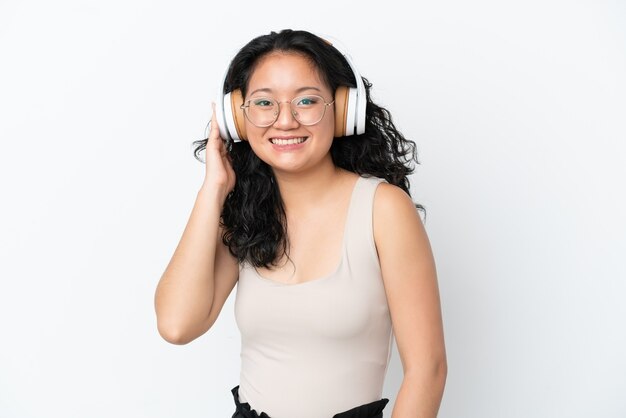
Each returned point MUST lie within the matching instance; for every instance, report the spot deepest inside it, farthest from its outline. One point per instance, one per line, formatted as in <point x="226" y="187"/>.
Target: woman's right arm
<point x="202" y="272"/>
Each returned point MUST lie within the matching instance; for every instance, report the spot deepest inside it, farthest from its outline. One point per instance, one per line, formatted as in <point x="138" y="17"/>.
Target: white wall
<point x="518" y="111"/>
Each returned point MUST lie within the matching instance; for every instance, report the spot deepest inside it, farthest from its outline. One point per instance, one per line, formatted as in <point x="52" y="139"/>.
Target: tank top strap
<point x="359" y="227"/>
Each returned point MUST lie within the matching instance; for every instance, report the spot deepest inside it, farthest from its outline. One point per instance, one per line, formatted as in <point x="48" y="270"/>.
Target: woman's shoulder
<point x="393" y="205"/>
<point x="398" y="227"/>
<point x="387" y="196"/>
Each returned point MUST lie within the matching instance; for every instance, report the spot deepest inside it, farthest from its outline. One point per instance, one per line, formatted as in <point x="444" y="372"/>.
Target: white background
<point x="518" y="110"/>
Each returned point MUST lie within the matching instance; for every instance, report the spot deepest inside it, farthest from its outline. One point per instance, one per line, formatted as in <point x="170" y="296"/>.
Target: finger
<point x="215" y="131"/>
<point x="214" y="141"/>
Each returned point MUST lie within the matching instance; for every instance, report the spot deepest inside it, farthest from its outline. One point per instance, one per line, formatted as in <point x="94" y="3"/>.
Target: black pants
<point x="368" y="410"/>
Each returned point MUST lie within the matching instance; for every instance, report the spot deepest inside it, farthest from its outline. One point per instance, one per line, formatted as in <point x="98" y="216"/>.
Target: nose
<point x="285" y="119"/>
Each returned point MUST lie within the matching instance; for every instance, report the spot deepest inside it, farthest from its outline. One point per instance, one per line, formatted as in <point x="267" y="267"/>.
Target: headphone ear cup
<point x="351" y="112"/>
<point x="233" y="127"/>
<point x="221" y="119"/>
<point x="361" y="107"/>
<point x="341" y="110"/>
<point x="227" y="129"/>
<point x="236" y="101"/>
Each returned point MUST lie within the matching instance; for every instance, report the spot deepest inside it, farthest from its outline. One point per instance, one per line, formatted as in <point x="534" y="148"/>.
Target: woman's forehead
<point x="285" y="71"/>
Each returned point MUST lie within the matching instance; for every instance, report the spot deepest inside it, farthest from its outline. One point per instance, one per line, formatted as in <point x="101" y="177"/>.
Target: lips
<point x="288" y="140"/>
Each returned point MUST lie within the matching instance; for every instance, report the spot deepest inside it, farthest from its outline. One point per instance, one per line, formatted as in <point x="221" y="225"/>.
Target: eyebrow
<point x="301" y="89"/>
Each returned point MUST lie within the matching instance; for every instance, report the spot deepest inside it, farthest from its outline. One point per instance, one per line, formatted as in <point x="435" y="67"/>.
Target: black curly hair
<point x="253" y="216"/>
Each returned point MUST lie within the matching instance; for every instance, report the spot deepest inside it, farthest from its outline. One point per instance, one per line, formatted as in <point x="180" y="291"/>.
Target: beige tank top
<point x="320" y="347"/>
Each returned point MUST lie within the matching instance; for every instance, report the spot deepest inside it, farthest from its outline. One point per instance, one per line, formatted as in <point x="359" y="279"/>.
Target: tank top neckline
<point x="344" y="249"/>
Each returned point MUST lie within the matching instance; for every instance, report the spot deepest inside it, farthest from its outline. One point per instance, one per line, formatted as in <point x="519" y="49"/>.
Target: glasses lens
<point x="262" y="111"/>
<point x="308" y="110"/>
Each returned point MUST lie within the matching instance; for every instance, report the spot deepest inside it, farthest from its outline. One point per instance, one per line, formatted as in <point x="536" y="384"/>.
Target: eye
<point x="263" y="102"/>
<point x="307" y="100"/>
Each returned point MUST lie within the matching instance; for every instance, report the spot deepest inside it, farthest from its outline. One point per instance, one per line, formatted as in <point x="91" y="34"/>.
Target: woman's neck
<point x="300" y="190"/>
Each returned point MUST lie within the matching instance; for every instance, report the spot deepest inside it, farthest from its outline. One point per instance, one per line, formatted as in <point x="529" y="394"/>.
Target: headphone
<point x="350" y="105"/>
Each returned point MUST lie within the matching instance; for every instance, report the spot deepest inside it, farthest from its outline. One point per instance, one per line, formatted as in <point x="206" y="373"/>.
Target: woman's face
<point x="282" y="77"/>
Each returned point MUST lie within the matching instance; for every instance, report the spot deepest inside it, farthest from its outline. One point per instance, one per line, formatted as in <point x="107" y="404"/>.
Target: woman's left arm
<point x="410" y="280"/>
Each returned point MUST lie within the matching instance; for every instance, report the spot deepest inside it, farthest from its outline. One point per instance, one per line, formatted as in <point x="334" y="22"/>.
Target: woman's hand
<point x="219" y="176"/>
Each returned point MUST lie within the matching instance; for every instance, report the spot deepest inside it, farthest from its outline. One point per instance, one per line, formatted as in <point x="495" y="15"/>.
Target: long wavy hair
<point x="253" y="216"/>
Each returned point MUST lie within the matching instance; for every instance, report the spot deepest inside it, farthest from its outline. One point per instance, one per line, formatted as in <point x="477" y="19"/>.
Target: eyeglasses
<point x="307" y="110"/>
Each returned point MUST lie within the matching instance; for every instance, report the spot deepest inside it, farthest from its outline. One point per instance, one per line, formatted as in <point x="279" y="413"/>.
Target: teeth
<point x="291" y="141"/>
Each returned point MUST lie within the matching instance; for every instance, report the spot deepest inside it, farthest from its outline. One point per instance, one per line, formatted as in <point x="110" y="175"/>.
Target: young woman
<point x="310" y="214"/>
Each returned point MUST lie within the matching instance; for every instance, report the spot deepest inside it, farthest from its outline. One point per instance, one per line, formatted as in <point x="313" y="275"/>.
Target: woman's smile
<point x="288" y="143"/>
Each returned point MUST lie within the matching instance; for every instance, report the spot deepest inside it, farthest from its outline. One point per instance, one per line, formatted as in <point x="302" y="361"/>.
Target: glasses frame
<point x="246" y="106"/>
